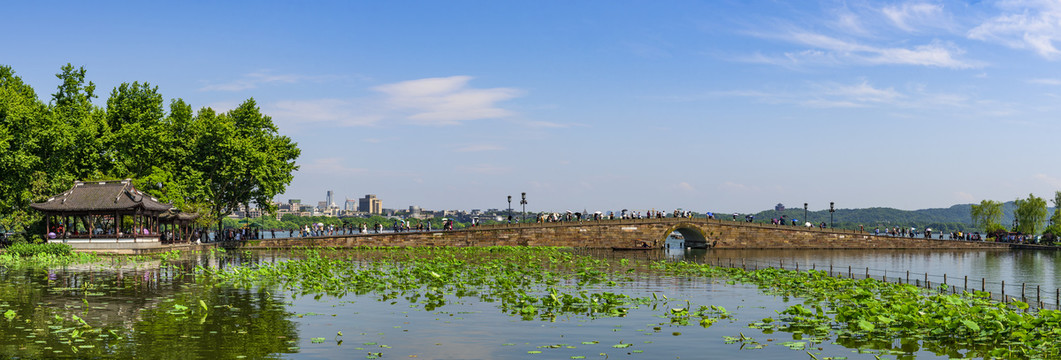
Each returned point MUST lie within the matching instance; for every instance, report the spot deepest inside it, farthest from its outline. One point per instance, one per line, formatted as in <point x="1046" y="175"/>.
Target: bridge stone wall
<point x="626" y="233"/>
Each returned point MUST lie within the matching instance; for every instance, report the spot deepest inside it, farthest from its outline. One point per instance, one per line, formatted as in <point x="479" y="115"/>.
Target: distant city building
<point x="350" y="205"/>
<point x="370" y="204"/>
<point x="294" y="201"/>
<point x="321" y="205"/>
<point x="779" y="207"/>
<point x="328" y="201"/>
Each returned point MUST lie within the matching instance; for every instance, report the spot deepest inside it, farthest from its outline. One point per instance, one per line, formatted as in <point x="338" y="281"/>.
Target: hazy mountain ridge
<point x="956" y="217"/>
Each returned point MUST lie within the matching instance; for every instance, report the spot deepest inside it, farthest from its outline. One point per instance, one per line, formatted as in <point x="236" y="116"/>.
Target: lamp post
<point x="831" y="211"/>
<point x="523" y="202"/>
<point x="510" y="209"/>
<point x="805" y="219"/>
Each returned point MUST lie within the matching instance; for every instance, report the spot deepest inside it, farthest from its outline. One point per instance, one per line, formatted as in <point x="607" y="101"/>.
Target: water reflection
<point x="138" y="311"/>
<point x="1035" y="272"/>
<point x="158" y="310"/>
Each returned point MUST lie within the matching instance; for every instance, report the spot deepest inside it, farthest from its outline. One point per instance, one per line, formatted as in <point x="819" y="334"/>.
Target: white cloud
<point x="445" y="101"/>
<point x="849" y="22"/>
<point x="828" y="49"/>
<point x="1049" y="180"/>
<point x="253" y="80"/>
<point x="862" y="93"/>
<point x="908" y="16"/>
<point x="484" y="169"/>
<point x="1046" y="81"/>
<point x="964" y="197"/>
<point x="684" y="186"/>
<point x="732" y="186"/>
<point x="857" y="95"/>
<point x="432" y="101"/>
<point x="478" y="148"/>
<point x="1034" y="25"/>
<point x="337" y="111"/>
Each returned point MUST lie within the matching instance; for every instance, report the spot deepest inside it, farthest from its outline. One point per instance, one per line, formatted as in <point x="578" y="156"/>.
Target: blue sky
<point x="601" y="105"/>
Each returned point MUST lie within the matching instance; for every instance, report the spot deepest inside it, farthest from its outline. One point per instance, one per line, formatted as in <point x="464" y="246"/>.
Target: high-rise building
<point x="350" y="205"/>
<point x="328" y="200"/>
<point x="370" y="204"/>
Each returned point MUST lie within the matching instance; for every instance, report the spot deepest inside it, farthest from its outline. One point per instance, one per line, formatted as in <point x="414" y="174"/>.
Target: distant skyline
<point x="705" y="106"/>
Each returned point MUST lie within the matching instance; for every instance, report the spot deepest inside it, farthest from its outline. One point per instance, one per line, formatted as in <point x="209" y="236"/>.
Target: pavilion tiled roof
<point x="101" y="196"/>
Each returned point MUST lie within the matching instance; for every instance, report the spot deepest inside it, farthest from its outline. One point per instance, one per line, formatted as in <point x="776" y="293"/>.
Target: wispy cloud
<point x="862" y="35"/>
<point x="733" y="186"/>
<point x="910" y="16"/>
<point x="445" y="100"/>
<point x="478" y="148"/>
<point x="1049" y="180"/>
<point x="1046" y="81"/>
<point x="484" y="169"/>
<point x="336" y="111"/>
<point x="1034" y="25"/>
<point x="431" y="101"/>
<point x="684" y="186"/>
<point x="256" y="79"/>
<point x="827" y="49"/>
<point x="857" y="95"/>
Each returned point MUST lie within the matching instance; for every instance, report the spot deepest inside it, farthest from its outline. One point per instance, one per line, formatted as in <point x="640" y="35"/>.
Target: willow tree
<point x="987" y="215"/>
<point x="1030" y="214"/>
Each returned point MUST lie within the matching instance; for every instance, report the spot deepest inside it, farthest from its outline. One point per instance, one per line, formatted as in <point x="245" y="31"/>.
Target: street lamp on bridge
<point x="805" y="219"/>
<point x="524" y="203"/>
<point x="831" y="211"/>
<point x="510" y="209"/>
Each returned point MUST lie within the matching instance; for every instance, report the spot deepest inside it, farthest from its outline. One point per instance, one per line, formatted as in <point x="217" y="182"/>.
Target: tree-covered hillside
<point x="954" y="218"/>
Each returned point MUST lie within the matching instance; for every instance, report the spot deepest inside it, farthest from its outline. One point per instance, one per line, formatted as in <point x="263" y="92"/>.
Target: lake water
<point x="148" y="310"/>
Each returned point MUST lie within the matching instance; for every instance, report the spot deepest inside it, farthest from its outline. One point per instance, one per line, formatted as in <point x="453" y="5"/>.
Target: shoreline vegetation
<point x="545" y="283"/>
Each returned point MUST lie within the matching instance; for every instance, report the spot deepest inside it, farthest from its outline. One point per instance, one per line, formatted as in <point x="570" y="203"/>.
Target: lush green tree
<point x="204" y="162"/>
<point x="987" y="215"/>
<point x="1053" y="231"/>
<point x="137" y="144"/>
<point x="243" y="159"/>
<point x="1030" y="214"/>
<point x="74" y="133"/>
<point x="20" y="112"/>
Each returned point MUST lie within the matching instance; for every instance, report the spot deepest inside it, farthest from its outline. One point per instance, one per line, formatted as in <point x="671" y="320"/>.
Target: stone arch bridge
<point x="629" y="233"/>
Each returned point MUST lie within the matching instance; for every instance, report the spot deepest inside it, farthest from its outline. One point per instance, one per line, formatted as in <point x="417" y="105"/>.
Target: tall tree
<point x="20" y="114"/>
<point x="134" y="114"/>
<point x="987" y="215"/>
<point x="1030" y="214"/>
<point x="74" y="133"/>
<point x="243" y="159"/>
<point x="1056" y="217"/>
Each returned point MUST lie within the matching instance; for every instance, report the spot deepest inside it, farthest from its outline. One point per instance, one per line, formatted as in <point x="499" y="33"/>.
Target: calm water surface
<point x="143" y="304"/>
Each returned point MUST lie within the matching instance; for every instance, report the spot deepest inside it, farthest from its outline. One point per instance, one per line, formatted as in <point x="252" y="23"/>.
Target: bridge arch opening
<point x="693" y="236"/>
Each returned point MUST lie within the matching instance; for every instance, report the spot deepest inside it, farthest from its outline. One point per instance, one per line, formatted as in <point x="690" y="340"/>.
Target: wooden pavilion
<point x="105" y="211"/>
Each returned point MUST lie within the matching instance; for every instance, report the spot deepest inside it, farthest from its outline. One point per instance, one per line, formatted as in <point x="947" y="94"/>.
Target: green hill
<point x="954" y="218"/>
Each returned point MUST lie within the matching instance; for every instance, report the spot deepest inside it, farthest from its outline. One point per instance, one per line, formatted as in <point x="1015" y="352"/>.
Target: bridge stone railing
<point x="631" y="232"/>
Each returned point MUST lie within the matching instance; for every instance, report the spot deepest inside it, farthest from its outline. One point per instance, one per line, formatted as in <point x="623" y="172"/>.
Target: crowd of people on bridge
<point x="599" y="215"/>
